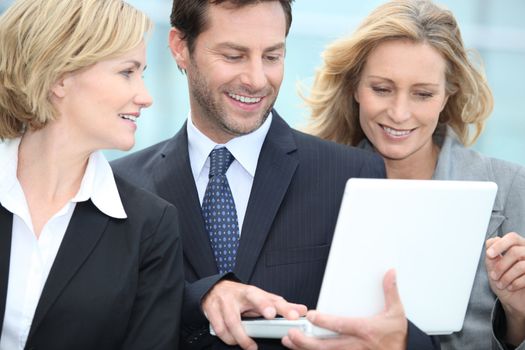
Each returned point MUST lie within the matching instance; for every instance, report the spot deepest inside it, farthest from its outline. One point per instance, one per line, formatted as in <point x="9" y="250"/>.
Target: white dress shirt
<point x="31" y="258"/>
<point x="240" y="174"/>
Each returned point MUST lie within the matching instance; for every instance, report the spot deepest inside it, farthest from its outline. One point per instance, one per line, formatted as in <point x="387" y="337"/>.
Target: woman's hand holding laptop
<point x="505" y="262"/>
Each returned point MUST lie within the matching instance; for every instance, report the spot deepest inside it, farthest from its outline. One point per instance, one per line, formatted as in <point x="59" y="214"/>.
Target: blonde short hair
<point x="41" y="40"/>
<point x="334" y="111"/>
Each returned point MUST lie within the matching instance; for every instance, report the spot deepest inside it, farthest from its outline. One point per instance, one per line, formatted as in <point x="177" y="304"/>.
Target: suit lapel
<point x="274" y="173"/>
<point x="275" y="170"/>
<point x="174" y="180"/>
<point x="84" y="231"/>
<point x="6" y="229"/>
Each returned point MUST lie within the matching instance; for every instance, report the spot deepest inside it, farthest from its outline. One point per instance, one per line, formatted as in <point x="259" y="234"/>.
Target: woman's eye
<point x="127" y="73"/>
<point x="380" y="90"/>
<point x="424" y="95"/>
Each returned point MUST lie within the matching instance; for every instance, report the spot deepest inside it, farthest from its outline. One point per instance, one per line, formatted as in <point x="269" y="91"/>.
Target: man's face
<point x="236" y="68"/>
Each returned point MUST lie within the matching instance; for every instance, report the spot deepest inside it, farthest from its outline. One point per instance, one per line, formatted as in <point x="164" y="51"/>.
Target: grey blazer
<point x="456" y="162"/>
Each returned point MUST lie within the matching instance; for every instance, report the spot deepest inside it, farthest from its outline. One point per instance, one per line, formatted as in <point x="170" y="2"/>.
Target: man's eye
<point x="273" y="58"/>
<point x="232" y="57"/>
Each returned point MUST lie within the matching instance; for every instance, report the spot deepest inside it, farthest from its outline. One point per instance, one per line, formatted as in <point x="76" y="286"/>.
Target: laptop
<point x="432" y="232"/>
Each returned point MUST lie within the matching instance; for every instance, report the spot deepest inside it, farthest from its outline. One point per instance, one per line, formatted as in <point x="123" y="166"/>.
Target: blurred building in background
<point x="495" y="29"/>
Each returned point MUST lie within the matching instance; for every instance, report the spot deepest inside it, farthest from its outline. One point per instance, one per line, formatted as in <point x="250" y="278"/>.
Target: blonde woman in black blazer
<point x="87" y="261"/>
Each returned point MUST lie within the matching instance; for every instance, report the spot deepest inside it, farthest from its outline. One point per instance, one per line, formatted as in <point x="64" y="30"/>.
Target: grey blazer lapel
<point x="496" y="218"/>
<point x="275" y="170"/>
<point x="174" y="180"/>
<point x="84" y="231"/>
<point x="6" y="228"/>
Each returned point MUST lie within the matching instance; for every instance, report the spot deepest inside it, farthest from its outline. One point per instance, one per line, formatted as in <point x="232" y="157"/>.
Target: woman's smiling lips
<point x="396" y="133"/>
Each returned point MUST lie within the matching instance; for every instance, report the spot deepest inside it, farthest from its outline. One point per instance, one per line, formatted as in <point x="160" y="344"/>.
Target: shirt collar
<point x="8" y="165"/>
<point x="245" y="148"/>
<point x="98" y="183"/>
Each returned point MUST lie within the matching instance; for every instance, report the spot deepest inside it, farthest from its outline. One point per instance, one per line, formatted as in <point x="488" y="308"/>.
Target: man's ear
<point x="179" y="48"/>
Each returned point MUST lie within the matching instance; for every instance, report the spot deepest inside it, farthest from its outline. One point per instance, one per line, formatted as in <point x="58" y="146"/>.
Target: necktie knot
<point x="220" y="160"/>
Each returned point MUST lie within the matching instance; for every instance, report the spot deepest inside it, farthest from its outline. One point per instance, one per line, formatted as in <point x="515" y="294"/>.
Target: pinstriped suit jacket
<point x="289" y="221"/>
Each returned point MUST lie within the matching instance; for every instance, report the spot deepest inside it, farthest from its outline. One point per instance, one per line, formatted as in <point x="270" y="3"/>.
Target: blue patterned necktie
<point x="218" y="210"/>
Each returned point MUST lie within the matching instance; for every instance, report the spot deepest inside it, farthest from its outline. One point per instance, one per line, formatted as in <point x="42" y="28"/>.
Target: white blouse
<point x="31" y="258"/>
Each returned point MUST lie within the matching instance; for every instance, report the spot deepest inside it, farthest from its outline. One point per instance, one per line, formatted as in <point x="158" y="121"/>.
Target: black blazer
<point x="289" y="221"/>
<point x="115" y="283"/>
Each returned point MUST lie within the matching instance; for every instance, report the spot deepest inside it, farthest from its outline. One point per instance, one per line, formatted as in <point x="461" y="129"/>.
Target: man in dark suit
<point x="287" y="186"/>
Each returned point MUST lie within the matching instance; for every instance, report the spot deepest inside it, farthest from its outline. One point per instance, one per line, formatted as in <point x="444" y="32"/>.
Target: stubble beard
<point x="214" y="112"/>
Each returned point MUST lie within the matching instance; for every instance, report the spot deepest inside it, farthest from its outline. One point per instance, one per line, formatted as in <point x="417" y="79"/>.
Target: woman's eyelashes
<point x="419" y="94"/>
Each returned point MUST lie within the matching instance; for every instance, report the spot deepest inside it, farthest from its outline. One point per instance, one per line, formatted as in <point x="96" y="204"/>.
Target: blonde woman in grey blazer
<point x="456" y="162"/>
<point x="403" y="86"/>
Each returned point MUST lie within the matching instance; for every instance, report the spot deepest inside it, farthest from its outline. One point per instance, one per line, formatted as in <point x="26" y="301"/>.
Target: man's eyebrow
<point x="275" y="47"/>
<point x="237" y="47"/>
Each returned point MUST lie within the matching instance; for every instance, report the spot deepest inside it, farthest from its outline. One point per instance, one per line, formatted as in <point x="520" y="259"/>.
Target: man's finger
<point x="392" y="298"/>
<point x="260" y="302"/>
<point x="297" y="340"/>
<point x="237" y="332"/>
<point x="220" y="328"/>
<point x="342" y="325"/>
<point x="270" y="305"/>
<point x="290" y="311"/>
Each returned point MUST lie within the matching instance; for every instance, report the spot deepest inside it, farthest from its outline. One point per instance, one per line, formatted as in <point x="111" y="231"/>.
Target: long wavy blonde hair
<point x="334" y="111"/>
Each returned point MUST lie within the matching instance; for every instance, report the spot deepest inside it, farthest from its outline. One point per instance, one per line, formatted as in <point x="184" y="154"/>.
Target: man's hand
<point x="505" y="263"/>
<point x="386" y="330"/>
<point x="227" y="301"/>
